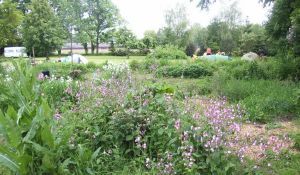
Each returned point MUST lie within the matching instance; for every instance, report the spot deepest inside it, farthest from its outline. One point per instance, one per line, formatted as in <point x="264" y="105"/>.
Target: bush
<point x="167" y="52"/>
<point x="264" y="100"/>
<point x="188" y="71"/>
<point x="297" y="141"/>
<point x="120" y="52"/>
<point x="63" y="69"/>
<point x="290" y="69"/>
<point x="134" y="65"/>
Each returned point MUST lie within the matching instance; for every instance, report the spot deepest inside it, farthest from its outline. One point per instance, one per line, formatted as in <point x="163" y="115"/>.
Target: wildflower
<point x="57" y="116"/>
<point x="177" y="124"/>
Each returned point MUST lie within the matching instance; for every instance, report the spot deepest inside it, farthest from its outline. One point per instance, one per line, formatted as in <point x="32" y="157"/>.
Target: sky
<point x="142" y="15"/>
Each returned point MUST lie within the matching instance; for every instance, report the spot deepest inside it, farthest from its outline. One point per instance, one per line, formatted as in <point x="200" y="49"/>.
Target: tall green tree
<point x="22" y="5"/>
<point x="198" y="36"/>
<point x="103" y="16"/>
<point x="150" y="39"/>
<point x="42" y="30"/>
<point x="204" y="4"/>
<point x="10" y="20"/>
<point x="283" y="26"/>
<point x="254" y="39"/>
<point x="126" y="39"/>
<point x="176" y="30"/>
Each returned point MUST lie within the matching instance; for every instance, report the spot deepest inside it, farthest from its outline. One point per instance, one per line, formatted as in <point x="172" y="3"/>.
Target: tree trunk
<point x="86" y="48"/>
<point x="92" y="47"/>
<point x="128" y="52"/>
<point x="47" y="56"/>
<point x="97" y="43"/>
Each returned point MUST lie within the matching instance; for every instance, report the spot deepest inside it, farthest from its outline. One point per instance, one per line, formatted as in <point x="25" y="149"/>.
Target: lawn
<point x="102" y="59"/>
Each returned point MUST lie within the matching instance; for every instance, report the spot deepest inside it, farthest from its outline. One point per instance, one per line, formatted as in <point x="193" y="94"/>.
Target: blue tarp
<point x="216" y="57"/>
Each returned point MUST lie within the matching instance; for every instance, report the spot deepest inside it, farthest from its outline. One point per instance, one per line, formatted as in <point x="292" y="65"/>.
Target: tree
<point x="42" y="30"/>
<point x="198" y="36"/>
<point x="10" y="20"/>
<point x="65" y="10"/>
<point x="22" y="5"/>
<point x="103" y="16"/>
<point x="150" y="39"/>
<point x="204" y="4"/>
<point x="176" y="31"/>
<point x="254" y="39"/>
<point x="283" y="26"/>
<point x="125" y="38"/>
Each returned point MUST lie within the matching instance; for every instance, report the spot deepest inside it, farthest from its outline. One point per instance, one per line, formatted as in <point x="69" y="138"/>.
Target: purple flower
<point x="177" y="124"/>
<point x="57" y="116"/>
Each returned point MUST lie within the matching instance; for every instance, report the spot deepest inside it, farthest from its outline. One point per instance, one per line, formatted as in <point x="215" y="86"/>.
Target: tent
<point x="75" y="58"/>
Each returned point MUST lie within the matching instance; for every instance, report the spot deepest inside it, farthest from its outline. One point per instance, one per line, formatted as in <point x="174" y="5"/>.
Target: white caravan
<point x="15" y="52"/>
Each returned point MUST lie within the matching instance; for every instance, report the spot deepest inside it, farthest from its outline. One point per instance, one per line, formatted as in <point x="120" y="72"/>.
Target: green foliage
<point x="188" y="71"/>
<point x="175" y="32"/>
<point x="126" y="39"/>
<point x="284" y="164"/>
<point x="66" y="69"/>
<point x="254" y="39"/>
<point x="167" y="52"/>
<point x="134" y="65"/>
<point x="283" y="27"/>
<point x="296" y="138"/>
<point x="261" y="103"/>
<point x="10" y="22"/>
<point x="42" y="29"/>
<point x="190" y="49"/>
<point x="150" y="39"/>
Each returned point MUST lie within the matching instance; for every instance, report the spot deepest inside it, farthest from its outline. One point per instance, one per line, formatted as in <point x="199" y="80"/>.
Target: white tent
<point x="76" y="58"/>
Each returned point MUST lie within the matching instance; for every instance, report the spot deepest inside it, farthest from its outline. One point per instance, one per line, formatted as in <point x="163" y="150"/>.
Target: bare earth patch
<point x="259" y="138"/>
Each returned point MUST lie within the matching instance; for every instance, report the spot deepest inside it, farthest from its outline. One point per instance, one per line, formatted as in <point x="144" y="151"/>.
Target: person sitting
<point x="220" y="53"/>
<point x="208" y="52"/>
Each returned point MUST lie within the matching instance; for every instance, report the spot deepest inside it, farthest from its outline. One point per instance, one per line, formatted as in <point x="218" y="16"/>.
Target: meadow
<point x="149" y="116"/>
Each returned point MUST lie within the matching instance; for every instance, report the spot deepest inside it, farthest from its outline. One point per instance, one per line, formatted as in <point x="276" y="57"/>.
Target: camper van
<point x="15" y="52"/>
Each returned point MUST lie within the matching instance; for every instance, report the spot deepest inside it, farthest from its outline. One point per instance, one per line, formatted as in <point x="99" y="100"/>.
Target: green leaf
<point x="7" y="162"/>
<point x="129" y="137"/>
<point x="172" y="141"/>
<point x="48" y="163"/>
<point x="160" y="131"/>
<point x="11" y="131"/>
<point x="47" y="137"/>
<point x="95" y="154"/>
<point x="229" y="166"/>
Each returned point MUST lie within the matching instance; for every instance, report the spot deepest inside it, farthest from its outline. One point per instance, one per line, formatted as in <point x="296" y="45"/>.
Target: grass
<point x="115" y="59"/>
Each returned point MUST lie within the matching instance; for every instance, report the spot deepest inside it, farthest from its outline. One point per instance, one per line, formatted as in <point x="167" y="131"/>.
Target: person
<point x="220" y="53"/>
<point x="195" y="55"/>
<point x="208" y="52"/>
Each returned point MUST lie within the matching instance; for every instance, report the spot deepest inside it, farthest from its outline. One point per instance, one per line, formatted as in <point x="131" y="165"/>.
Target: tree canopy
<point x="10" y="20"/>
<point x="42" y="30"/>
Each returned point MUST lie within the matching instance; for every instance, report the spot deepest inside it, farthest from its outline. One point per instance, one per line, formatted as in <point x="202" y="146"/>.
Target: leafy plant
<point x="167" y="52"/>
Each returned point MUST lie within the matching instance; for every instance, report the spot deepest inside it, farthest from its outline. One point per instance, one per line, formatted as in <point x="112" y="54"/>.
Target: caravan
<point x="15" y="52"/>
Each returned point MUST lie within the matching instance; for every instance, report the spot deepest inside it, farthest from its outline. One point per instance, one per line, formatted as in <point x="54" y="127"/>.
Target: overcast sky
<point x="144" y="15"/>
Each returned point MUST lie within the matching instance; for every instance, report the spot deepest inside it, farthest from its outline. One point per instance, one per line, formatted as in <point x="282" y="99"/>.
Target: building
<point x="79" y="49"/>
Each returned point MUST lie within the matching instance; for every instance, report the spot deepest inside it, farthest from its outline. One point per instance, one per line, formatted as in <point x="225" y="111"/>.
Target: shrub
<point x="134" y="65"/>
<point x="167" y="52"/>
<point x="188" y="71"/>
<point x="62" y="69"/>
<point x="120" y="52"/>
<point x="297" y="141"/>
<point x="264" y="100"/>
<point x="290" y="69"/>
